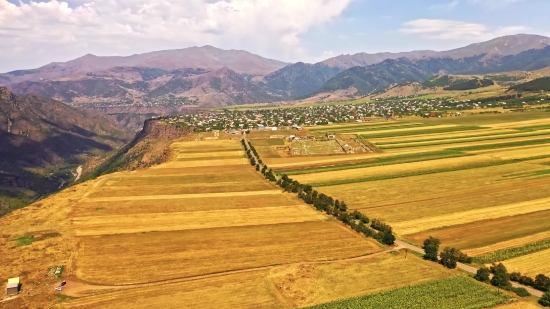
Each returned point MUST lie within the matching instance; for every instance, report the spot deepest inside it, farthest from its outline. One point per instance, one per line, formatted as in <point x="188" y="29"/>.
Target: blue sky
<point x="34" y="33"/>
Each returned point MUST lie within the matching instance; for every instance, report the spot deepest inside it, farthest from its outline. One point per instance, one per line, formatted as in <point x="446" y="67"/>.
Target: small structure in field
<point x="12" y="287"/>
<point x="331" y="135"/>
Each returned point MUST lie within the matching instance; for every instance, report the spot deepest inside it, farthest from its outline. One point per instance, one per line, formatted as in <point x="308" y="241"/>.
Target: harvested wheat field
<point x="111" y="259"/>
<point x="517" y="242"/>
<point x="289" y="286"/>
<point x="531" y="264"/>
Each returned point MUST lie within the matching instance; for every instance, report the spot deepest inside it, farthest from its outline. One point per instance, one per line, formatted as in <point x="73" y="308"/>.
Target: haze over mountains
<point x="207" y="76"/>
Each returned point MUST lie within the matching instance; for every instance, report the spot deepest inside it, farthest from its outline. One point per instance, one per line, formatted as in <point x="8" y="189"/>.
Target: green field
<point x="267" y="142"/>
<point x="451" y="293"/>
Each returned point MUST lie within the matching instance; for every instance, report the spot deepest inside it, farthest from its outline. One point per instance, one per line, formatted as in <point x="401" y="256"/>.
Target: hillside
<point x="43" y="140"/>
<point x="539" y="84"/>
<point x="205" y="57"/>
<point x="471" y="84"/>
<point x="380" y="76"/>
<point x="153" y="87"/>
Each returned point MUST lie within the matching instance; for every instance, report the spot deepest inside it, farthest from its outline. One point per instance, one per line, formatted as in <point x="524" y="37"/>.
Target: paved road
<point x="468" y="268"/>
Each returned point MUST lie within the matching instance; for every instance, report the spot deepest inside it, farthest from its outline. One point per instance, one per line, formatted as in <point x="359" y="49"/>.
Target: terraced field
<point x="479" y="184"/>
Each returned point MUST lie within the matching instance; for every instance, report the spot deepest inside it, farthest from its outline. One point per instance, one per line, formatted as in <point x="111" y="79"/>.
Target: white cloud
<point x="440" y="29"/>
<point x="444" y="7"/>
<point x="271" y="27"/>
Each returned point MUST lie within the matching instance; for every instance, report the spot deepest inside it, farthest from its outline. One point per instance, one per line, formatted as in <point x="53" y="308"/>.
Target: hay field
<point x="480" y="209"/>
<point x="278" y="287"/>
<point x="517" y="242"/>
<point x="156" y="256"/>
<point x="190" y="218"/>
<point x="531" y="264"/>
<point x="301" y="148"/>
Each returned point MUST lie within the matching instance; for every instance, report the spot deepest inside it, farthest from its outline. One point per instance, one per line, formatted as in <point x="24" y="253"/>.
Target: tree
<point x="501" y="279"/>
<point x="387" y="238"/>
<point x="431" y="248"/>
<point x="343" y="206"/>
<point x="541" y="282"/>
<point x="449" y="257"/>
<point x="483" y="274"/>
<point x="545" y="299"/>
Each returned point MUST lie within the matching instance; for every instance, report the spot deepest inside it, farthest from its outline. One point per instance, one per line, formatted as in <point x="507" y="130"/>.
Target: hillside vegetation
<point x="539" y="84"/>
<point x="471" y="84"/>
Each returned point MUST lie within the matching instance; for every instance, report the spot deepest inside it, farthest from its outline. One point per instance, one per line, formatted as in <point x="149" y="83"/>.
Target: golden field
<point x="291" y="286"/>
<point x="530" y="264"/>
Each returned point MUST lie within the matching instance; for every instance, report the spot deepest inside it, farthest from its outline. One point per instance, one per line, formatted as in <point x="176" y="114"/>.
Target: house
<point x="13" y="286"/>
<point x="261" y="127"/>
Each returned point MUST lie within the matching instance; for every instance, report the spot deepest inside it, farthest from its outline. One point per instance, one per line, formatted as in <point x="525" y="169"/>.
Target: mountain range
<point x="207" y="76"/>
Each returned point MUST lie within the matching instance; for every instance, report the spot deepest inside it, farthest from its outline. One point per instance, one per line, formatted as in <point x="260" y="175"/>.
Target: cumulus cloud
<point x="56" y="29"/>
<point x="441" y="29"/>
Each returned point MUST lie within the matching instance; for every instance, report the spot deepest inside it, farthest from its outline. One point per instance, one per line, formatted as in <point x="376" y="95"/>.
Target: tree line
<point x="359" y="222"/>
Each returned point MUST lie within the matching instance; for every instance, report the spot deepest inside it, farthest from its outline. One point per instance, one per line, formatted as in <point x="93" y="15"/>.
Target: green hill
<point x="534" y="85"/>
<point x="471" y="84"/>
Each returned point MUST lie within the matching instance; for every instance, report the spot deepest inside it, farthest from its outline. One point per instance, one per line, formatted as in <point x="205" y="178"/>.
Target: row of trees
<point x="502" y="279"/>
<point x="449" y="257"/>
<point x="322" y="202"/>
<point x="356" y="220"/>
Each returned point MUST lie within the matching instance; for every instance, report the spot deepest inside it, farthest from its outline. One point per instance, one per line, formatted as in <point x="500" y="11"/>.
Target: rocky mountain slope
<point x="207" y="57"/>
<point x="42" y="140"/>
<point x="207" y="76"/>
<point x="390" y="72"/>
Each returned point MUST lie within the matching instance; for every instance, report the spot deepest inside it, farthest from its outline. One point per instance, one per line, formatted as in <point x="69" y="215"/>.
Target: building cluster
<point x="297" y="117"/>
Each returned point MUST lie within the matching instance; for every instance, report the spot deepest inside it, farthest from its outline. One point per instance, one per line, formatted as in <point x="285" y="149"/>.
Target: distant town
<point x="298" y="117"/>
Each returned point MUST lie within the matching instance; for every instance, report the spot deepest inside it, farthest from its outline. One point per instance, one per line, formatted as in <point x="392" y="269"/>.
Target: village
<point x="232" y="120"/>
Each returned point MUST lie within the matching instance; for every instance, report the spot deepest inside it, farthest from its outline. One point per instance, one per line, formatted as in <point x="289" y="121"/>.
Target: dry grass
<point x="246" y="290"/>
<point x="179" y="196"/>
<point x="179" y="221"/>
<point x="531" y="264"/>
<point x="279" y="287"/>
<point x="152" y="206"/>
<point x="424" y="224"/>
<point x="517" y="242"/>
<point x="147" y="257"/>
<point x="484" y="233"/>
<point x="306" y="285"/>
<point x="520" y="305"/>
<point x="302" y="148"/>
<point x="390" y="169"/>
<point x="395" y="200"/>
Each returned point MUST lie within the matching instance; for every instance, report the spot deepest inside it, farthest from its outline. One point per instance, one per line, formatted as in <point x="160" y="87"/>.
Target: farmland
<point x="454" y="292"/>
<point x="478" y="183"/>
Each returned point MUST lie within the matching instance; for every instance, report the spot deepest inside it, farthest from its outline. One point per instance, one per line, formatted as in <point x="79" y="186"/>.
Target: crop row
<point x="425" y="172"/>
<point x="504" y="145"/>
<point x="506" y="254"/>
<point x="457" y="141"/>
<point x="421" y="132"/>
<point x="450" y="293"/>
<point x="445" y="138"/>
<point x="398" y="159"/>
<point x="380" y="128"/>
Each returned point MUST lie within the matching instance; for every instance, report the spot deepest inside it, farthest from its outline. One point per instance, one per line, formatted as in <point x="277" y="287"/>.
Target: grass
<point x="511" y="253"/>
<point x="419" y="132"/>
<point x="425" y="172"/>
<point x="504" y="145"/>
<point x="370" y="128"/>
<point x="455" y="292"/>
<point x="267" y="142"/>
<point x="111" y="259"/>
<point x="398" y="159"/>
<point x="534" y="128"/>
<point x="415" y="173"/>
<point x="443" y="138"/>
<point x="23" y="241"/>
<point x="531" y="264"/>
<point x="456" y="141"/>
<point x="487" y="232"/>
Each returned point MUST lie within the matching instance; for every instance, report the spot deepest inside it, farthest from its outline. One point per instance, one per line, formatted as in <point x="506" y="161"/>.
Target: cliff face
<point x="149" y="147"/>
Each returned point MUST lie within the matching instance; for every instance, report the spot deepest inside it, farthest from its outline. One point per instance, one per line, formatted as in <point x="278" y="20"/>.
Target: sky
<point x="35" y="33"/>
